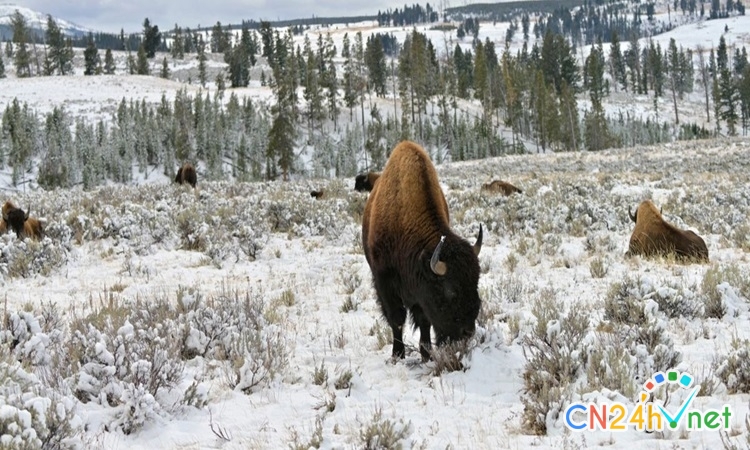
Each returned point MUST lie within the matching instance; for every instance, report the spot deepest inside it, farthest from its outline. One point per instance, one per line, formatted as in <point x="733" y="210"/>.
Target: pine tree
<point x="312" y="90"/>
<point x="109" y="62"/>
<point x="617" y="63"/>
<point x="350" y="95"/>
<point x="281" y="144"/>
<point x="58" y="59"/>
<point x="91" y="57"/>
<point x="674" y="67"/>
<point x="20" y="50"/>
<point x="705" y="79"/>
<point x="164" y="69"/>
<point x="151" y="38"/>
<point x="202" y="63"/>
<point x="142" y="67"/>
<point x="266" y="37"/>
<point x="2" y="68"/>
<point x="726" y="90"/>
<point x="376" y="67"/>
<point x="178" y="45"/>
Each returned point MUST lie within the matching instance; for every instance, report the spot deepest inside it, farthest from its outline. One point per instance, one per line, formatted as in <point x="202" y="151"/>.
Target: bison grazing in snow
<point x="318" y="194"/>
<point x="418" y="264"/>
<point x="19" y="221"/>
<point x="501" y="186"/>
<point x="186" y="174"/>
<point x="365" y="182"/>
<point x="653" y="236"/>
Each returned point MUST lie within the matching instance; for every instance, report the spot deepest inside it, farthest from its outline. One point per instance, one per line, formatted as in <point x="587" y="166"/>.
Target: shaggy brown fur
<point x="414" y="270"/>
<point x="186" y="174"/>
<point x="318" y="194"/>
<point x="501" y="186"/>
<point x="19" y="221"/>
<point x="653" y="236"/>
<point x="365" y="182"/>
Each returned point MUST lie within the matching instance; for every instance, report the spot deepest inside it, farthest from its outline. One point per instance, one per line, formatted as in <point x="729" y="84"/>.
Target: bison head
<point x="456" y="301"/>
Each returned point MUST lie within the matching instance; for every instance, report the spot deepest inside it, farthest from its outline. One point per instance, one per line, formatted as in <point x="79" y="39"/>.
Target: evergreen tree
<point x="727" y="94"/>
<point x="164" y="69"/>
<point x="705" y="79"/>
<point x="202" y="77"/>
<point x="20" y="50"/>
<point x="329" y="80"/>
<point x="178" y="45"/>
<point x="376" y="67"/>
<point x="312" y="90"/>
<point x="142" y="67"/>
<point x="60" y="56"/>
<point x="743" y="88"/>
<point x="2" y="68"/>
<point x="617" y="63"/>
<point x="674" y="68"/>
<point x="91" y="57"/>
<point x="151" y="38"/>
<point x="281" y="145"/>
<point x="109" y="62"/>
<point x="350" y="89"/>
<point x="266" y="37"/>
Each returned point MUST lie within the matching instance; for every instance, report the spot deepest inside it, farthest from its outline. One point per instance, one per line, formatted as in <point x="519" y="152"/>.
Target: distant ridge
<point x="37" y="22"/>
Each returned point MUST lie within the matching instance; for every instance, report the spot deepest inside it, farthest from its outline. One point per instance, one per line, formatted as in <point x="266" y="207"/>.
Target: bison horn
<point x="632" y="216"/>
<point x="437" y="266"/>
<point x="26" y="216"/>
<point x="478" y="243"/>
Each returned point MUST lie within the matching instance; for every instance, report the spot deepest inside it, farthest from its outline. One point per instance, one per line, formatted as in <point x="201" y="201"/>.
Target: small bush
<point x="380" y="433"/>
<point x="734" y="369"/>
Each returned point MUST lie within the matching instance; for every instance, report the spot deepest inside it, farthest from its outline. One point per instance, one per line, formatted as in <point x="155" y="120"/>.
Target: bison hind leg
<point x="393" y="310"/>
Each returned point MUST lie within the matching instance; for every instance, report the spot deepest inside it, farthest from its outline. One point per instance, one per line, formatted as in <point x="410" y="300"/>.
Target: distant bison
<point x="19" y="221"/>
<point x="653" y="236"/>
<point x="501" y="186"/>
<point x="418" y="264"/>
<point x="186" y="174"/>
<point x="365" y="182"/>
<point x="317" y="194"/>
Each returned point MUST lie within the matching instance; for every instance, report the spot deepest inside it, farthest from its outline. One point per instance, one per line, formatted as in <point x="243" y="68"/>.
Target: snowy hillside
<point x="37" y="21"/>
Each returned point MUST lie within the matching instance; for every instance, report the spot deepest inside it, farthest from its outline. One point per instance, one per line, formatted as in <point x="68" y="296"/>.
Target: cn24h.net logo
<point x="647" y="414"/>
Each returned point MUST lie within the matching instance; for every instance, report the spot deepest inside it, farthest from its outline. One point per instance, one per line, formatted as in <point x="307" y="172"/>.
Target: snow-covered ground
<point x="562" y="239"/>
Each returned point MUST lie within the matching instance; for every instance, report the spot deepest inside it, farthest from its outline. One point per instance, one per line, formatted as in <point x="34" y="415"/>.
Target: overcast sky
<point x="112" y="15"/>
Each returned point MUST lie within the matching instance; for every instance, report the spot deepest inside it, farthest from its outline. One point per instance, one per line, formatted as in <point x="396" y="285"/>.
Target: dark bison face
<point x="361" y="183"/>
<point x="16" y="218"/>
<point x="452" y="293"/>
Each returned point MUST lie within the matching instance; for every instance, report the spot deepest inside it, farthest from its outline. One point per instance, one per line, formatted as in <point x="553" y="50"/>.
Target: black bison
<point x="318" y="194"/>
<point x="19" y="221"/>
<point x="418" y="264"/>
<point x="365" y="182"/>
<point x="186" y="174"/>
<point x="501" y="186"/>
<point x="653" y="236"/>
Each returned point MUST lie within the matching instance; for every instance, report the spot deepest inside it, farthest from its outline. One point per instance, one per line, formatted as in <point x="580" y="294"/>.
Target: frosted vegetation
<point x="244" y="311"/>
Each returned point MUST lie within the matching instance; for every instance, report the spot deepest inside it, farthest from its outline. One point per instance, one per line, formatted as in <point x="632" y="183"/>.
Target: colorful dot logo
<point x="672" y="377"/>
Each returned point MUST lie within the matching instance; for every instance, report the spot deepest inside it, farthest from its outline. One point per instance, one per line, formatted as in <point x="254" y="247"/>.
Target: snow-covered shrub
<point x="555" y="353"/>
<point x="32" y="415"/>
<point x="734" y="369"/>
<point x="25" y="258"/>
<point x="257" y="356"/>
<point x="720" y="286"/>
<point x="610" y="365"/>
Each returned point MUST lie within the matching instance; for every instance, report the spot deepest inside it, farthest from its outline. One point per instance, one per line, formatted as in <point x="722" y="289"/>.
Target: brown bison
<point x="318" y="194"/>
<point x="418" y="264"/>
<point x="501" y="186"/>
<point x="19" y="221"/>
<point x="654" y="236"/>
<point x="186" y="174"/>
<point x="365" y="182"/>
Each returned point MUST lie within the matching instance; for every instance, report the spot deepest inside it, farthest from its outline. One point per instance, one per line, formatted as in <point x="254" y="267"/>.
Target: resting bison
<point x="501" y="186"/>
<point x="186" y="174"/>
<point x="19" y="221"/>
<point x="317" y="194"/>
<point x="365" y="182"/>
<point x="418" y="264"/>
<point x="653" y="236"/>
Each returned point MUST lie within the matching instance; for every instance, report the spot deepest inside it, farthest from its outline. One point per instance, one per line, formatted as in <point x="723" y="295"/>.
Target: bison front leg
<point x="425" y="342"/>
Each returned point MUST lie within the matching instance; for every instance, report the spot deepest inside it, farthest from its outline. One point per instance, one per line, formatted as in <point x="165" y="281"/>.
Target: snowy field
<point x="115" y="257"/>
